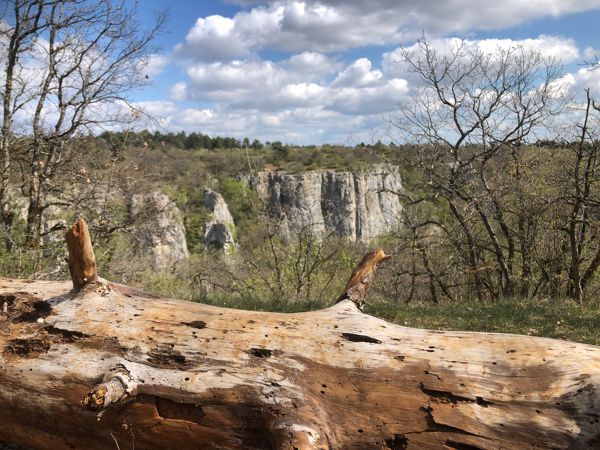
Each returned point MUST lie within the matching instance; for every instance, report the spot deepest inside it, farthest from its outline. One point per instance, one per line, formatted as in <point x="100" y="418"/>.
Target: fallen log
<point x="104" y="366"/>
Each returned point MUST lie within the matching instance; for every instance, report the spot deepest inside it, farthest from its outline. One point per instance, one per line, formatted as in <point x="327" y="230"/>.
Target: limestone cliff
<point x="161" y="230"/>
<point x="155" y="224"/>
<point x="358" y="205"/>
<point x="218" y="231"/>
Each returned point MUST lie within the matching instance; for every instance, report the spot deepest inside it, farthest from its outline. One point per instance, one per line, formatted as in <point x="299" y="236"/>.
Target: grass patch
<point x="253" y="304"/>
<point x="560" y="319"/>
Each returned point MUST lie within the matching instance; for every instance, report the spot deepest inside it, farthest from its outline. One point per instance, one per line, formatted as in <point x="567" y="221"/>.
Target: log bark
<point x="107" y="367"/>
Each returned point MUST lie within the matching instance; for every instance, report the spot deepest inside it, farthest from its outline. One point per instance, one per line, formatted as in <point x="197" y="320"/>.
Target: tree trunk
<point x="107" y="367"/>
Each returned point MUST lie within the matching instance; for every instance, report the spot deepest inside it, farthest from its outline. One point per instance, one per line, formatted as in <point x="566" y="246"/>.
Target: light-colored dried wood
<point x="205" y="377"/>
<point x="81" y="260"/>
<point x="108" y="366"/>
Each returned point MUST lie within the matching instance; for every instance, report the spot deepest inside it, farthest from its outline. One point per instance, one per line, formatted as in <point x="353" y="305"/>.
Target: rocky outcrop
<point x="357" y="205"/>
<point x="161" y="233"/>
<point x="218" y="230"/>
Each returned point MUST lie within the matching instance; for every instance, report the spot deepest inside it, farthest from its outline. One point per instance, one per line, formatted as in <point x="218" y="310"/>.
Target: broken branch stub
<point x="115" y="389"/>
<point x="81" y="260"/>
<point x="356" y="288"/>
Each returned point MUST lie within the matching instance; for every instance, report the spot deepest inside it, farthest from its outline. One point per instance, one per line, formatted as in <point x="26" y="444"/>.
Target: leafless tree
<point x="471" y="117"/>
<point x="579" y="202"/>
<point x="84" y="60"/>
<point x="15" y="41"/>
<point x="282" y="265"/>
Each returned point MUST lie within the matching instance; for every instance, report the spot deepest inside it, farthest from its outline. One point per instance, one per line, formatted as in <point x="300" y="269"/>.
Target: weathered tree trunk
<point x="107" y="367"/>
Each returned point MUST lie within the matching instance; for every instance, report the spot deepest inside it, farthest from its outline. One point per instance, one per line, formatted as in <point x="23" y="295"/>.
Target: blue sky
<point x="310" y="72"/>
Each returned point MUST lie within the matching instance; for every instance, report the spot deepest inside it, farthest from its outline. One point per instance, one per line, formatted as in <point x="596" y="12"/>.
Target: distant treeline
<point x="179" y="140"/>
<point x="194" y="140"/>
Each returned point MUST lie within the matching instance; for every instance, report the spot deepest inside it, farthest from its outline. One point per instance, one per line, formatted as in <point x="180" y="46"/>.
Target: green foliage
<point x="114" y="257"/>
<point x="167" y="284"/>
<point x="281" y="150"/>
<point x="44" y="263"/>
<point x="242" y="201"/>
<point x="253" y="303"/>
<point x="23" y="261"/>
<point x="305" y="269"/>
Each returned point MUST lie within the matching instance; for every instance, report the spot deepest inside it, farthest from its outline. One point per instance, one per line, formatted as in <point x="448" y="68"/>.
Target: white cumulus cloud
<point x="292" y="70"/>
<point x="335" y="25"/>
<point x="561" y="49"/>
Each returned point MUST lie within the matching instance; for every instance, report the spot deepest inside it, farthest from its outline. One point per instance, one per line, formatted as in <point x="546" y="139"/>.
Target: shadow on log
<point x="105" y="367"/>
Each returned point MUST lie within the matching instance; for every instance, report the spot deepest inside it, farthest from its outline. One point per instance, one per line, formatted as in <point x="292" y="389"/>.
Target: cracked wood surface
<point x="169" y="374"/>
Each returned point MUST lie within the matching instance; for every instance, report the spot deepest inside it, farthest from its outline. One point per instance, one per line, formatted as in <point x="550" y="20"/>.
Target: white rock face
<point x="357" y="205"/>
<point x="218" y="231"/>
<point x="161" y="233"/>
